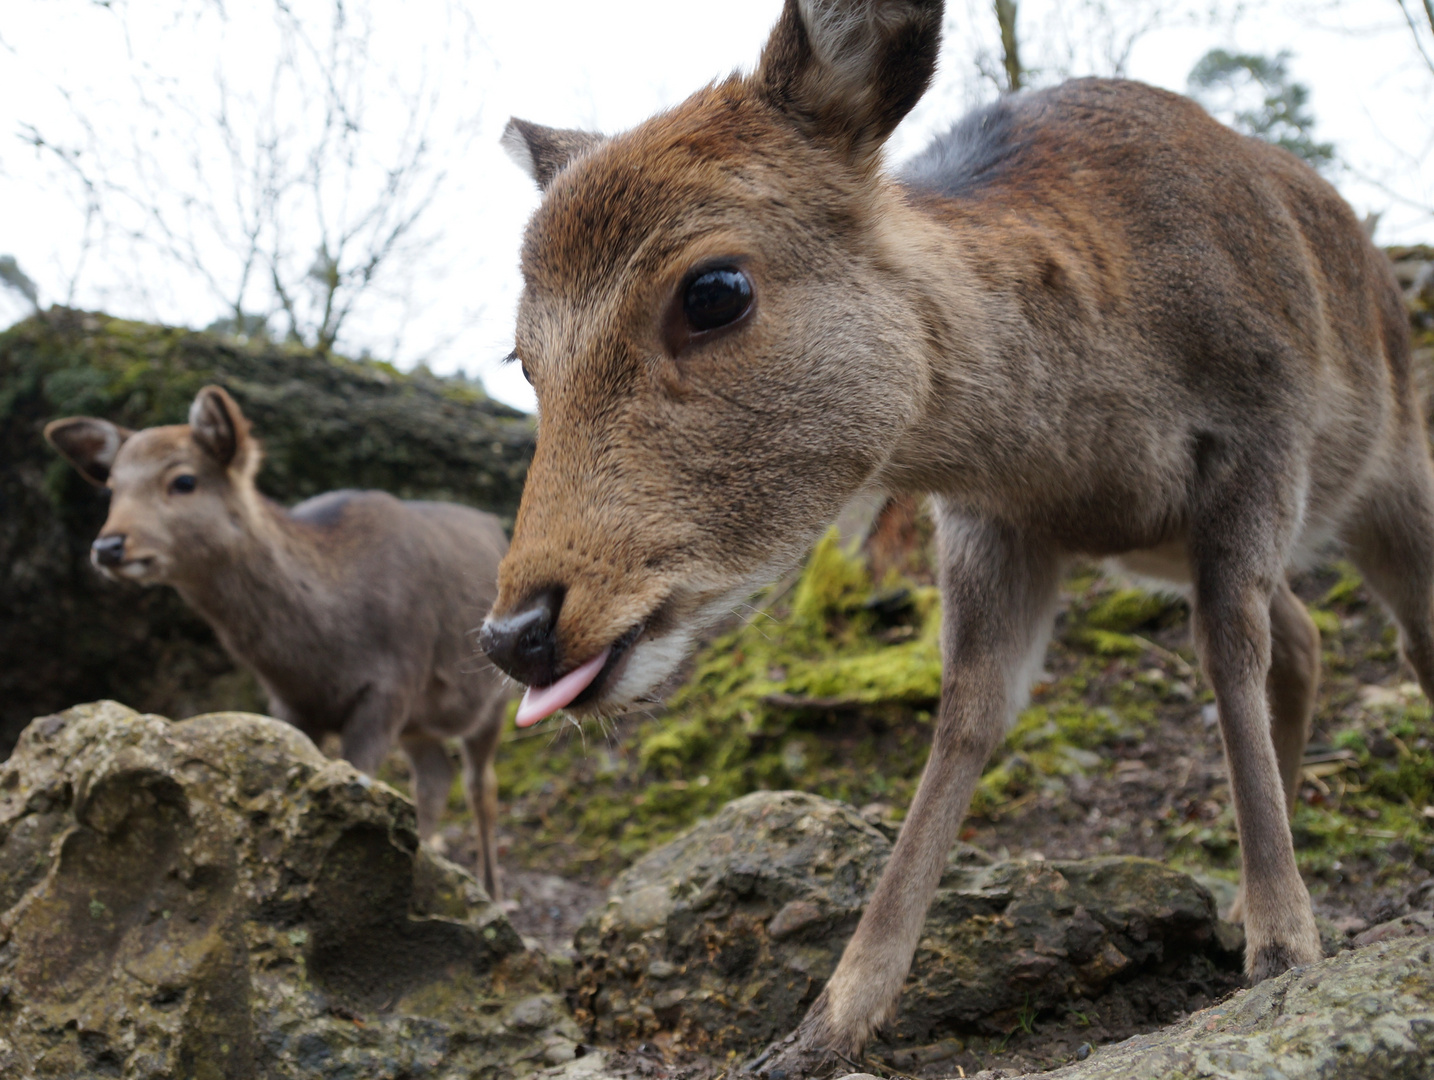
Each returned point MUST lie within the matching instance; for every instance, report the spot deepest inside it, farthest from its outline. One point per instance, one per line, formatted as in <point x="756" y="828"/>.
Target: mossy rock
<point x="326" y="422"/>
<point x="720" y="940"/>
<point x="216" y="898"/>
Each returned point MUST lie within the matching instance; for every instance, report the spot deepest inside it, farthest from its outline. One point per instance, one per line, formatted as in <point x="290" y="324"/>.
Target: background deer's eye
<point x="182" y="485"/>
<point x="716" y="298"/>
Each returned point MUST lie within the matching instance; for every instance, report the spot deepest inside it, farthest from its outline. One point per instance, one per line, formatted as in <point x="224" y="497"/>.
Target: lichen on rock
<point x="1359" y="1015"/>
<point x="215" y="898"/>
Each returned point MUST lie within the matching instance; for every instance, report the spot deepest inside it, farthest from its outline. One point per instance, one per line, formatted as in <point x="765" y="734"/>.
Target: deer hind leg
<point x="480" y="783"/>
<point x="1392" y="542"/>
<point x="1237" y="557"/>
<point x="432" y="779"/>
<point x="1291" y="687"/>
<point x="999" y="595"/>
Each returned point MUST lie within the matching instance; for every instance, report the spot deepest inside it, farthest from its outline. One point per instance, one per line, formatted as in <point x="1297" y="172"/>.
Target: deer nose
<point x="524" y="643"/>
<point x="109" y="550"/>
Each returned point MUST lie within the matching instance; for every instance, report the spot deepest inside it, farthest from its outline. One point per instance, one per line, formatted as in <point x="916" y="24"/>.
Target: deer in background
<point x="352" y="609"/>
<point x="1088" y="322"/>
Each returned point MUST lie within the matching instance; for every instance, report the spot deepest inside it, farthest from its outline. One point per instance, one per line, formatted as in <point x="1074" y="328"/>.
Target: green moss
<point x="1109" y="643"/>
<point x="1343" y="590"/>
<point x="1373" y="812"/>
<point x="1125" y="610"/>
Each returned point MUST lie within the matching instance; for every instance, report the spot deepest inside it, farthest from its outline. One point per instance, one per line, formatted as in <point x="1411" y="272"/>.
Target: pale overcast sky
<point x="603" y="66"/>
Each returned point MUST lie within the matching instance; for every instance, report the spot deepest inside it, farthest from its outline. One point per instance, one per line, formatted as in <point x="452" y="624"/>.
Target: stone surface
<point x="721" y="939"/>
<point x="215" y="898"/>
<point x="1414" y="924"/>
<point x="1363" y="1014"/>
<point x="326" y="422"/>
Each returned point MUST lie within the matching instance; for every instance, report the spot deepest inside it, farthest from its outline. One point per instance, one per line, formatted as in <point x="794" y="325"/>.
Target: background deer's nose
<point x="109" y="550"/>
<point x="524" y="643"/>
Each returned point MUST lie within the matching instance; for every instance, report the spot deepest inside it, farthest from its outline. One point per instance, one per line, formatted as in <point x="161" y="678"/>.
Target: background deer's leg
<point x="432" y="777"/>
<point x="999" y="593"/>
<point x="480" y="782"/>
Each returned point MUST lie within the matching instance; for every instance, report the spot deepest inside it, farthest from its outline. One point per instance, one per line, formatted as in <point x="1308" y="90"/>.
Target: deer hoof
<point x="1275" y="958"/>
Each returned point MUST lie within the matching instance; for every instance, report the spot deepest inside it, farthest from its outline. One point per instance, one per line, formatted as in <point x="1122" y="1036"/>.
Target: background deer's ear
<point x="847" y="71"/>
<point x="543" y="152"/>
<point x="88" y="444"/>
<point x="217" y="424"/>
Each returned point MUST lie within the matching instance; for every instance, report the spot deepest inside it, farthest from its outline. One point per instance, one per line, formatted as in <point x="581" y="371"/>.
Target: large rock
<point x="1359" y="1015"/>
<point x="214" y="898"/>
<point x="67" y="635"/>
<point x="722" y="938"/>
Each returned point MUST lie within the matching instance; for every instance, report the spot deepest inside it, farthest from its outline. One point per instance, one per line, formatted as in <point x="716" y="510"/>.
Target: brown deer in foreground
<point x="352" y="609"/>
<point x="1090" y="321"/>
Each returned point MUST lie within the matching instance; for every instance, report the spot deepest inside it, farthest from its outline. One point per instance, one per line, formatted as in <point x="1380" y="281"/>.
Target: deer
<point x="353" y="609"/>
<point x="1089" y="322"/>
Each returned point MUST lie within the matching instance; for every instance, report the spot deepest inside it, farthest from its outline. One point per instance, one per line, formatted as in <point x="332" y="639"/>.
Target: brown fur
<point x="1091" y="322"/>
<point x="352" y="609"/>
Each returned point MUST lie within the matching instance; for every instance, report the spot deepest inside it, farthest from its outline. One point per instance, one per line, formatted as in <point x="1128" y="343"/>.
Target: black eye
<point x="717" y="298"/>
<point x="182" y="485"/>
<point x="512" y="358"/>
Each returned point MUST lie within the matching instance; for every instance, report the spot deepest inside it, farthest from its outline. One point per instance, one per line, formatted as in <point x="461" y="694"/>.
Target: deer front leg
<point x="376" y="716"/>
<point x="432" y="777"/>
<point x="999" y="594"/>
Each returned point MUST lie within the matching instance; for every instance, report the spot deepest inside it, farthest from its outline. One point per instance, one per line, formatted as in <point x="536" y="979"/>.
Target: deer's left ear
<point x="543" y="152"/>
<point x="847" y="71"/>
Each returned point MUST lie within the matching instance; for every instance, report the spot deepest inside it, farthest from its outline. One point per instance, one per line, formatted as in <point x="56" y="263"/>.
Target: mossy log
<point x="326" y="422"/>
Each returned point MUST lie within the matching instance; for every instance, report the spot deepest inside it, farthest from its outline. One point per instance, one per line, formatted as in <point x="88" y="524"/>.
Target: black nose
<point x="524" y="643"/>
<point x="109" y="550"/>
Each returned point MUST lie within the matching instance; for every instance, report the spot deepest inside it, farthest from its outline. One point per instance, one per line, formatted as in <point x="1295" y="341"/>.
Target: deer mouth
<point x="584" y="685"/>
<point x="132" y="569"/>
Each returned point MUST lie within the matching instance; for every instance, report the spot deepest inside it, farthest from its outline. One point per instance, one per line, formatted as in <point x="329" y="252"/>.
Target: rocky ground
<point x="827" y="686"/>
<point x="215" y="898"/>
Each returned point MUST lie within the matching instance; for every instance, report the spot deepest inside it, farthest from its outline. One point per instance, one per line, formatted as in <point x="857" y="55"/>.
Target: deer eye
<point x="716" y="298"/>
<point x="182" y="484"/>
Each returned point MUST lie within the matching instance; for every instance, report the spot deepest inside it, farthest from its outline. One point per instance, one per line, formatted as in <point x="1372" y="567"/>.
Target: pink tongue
<point x="541" y="701"/>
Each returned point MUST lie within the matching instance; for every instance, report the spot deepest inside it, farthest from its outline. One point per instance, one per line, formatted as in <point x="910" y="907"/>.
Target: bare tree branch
<point x="1414" y="28"/>
<point x="286" y="198"/>
<point x="1010" y="46"/>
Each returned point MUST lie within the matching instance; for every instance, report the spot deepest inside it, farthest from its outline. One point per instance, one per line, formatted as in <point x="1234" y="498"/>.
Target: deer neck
<point x="982" y="418"/>
<point x="265" y="593"/>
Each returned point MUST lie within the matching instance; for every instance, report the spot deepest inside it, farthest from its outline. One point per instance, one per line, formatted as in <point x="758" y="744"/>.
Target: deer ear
<point x="217" y="424"/>
<point x="543" y="152"/>
<point x="88" y="444"/>
<point x="847" y="71"/>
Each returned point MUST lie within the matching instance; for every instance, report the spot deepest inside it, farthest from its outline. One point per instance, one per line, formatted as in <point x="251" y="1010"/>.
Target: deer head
<point x="716" y="321"/>
<point x="178" y="494"/>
